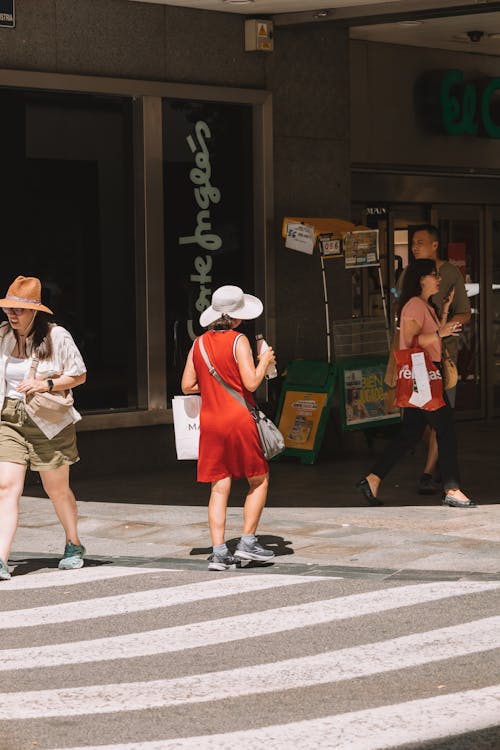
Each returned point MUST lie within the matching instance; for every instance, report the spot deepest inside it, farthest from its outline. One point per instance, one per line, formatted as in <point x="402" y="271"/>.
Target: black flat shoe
<point x="426" y="485"/>
<point x="367" y="493"/>
<point x="450" y="500"/>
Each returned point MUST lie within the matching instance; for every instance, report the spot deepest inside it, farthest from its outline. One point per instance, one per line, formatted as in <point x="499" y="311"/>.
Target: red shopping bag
<point x="419" y="384"/>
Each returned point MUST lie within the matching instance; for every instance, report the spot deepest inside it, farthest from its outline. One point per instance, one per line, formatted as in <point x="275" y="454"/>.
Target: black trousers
<point x="412" y="428"/>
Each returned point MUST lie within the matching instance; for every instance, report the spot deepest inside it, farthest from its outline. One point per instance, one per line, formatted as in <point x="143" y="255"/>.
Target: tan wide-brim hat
<point x="25" y="292"/>
<point x="232" y="301"/>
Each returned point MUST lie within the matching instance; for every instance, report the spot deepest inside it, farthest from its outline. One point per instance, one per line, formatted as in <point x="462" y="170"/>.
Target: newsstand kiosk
<point x="356" y="349"/>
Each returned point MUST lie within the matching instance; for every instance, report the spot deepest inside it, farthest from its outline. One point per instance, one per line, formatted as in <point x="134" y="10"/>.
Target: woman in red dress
<point x="229" y="443"/>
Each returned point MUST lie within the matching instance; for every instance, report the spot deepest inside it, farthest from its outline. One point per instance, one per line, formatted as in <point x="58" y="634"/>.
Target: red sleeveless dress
<point x="229" y="443"/>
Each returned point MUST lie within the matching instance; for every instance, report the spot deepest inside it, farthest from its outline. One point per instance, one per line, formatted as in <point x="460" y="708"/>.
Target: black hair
<point x="431" y="230"/>
<point x="224" y="323"/>
<point x="411" y="280"/>
<point x="42" y="341"/>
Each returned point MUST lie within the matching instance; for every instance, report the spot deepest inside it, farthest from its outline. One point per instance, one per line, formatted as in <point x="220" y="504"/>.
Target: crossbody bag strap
<point x="33" y="368"/>
<point x="218" y="378"/>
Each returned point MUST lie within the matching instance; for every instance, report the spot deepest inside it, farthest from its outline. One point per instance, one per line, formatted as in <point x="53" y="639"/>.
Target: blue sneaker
<point x="4" y="571"/>
<point x="73" y="557"/>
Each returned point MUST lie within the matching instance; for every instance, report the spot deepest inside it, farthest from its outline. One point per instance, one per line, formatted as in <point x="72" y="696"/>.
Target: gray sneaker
<point x="222" y="562"/>
<point x="253" y="551"/>
<point x="73" y="557"/>
<point x="4" y="571"/>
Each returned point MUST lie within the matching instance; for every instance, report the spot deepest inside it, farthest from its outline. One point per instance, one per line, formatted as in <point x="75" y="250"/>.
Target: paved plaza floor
<point x="315" y="516"/>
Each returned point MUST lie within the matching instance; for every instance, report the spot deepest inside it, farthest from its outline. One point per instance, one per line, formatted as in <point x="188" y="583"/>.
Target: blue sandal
<point x="4" y="571"/>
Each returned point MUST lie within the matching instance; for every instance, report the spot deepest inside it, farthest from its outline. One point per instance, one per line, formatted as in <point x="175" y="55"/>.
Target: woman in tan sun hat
<point x="36" y="356"/>
<point x="229" y="443"/>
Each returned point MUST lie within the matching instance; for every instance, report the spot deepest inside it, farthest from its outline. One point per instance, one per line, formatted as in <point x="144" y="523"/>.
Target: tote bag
<point x="186" y="411"/>
<point x="271" y="439"/>
<point x="419" y="384"/>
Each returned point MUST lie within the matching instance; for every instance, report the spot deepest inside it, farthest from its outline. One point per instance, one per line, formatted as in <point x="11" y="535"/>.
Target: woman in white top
<point x="36" y="356"/>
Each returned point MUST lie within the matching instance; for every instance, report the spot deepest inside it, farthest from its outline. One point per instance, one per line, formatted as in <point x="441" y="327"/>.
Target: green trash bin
<point x="304" y="407"/>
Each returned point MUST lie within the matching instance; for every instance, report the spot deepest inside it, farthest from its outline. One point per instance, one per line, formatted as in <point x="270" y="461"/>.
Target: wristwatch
<point x="51" y="384"/>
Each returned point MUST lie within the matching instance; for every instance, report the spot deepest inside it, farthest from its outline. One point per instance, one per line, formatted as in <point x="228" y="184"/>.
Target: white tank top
<point x="15" y="373"/>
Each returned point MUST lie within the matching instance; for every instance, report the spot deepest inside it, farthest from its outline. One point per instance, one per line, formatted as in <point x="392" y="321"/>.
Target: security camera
<point x="475" y="36"/>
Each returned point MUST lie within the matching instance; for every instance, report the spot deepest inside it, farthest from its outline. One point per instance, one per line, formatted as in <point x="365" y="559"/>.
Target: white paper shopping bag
<point x="186" y="411"/>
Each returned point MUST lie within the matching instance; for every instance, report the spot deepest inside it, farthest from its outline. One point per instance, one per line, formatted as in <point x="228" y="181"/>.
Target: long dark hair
<point x="42" y="341"/>
<point x="411" y="280"/>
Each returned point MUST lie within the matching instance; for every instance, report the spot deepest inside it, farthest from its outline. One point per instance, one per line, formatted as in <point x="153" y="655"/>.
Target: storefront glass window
<point x="496" y="313"/>
<point x="68" y="208"/>
<point x="460" y="244"/>
<point x="208" y="215"/>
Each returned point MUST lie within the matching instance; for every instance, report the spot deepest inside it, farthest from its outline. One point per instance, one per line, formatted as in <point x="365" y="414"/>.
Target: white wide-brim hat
<point x="232" y="301"/>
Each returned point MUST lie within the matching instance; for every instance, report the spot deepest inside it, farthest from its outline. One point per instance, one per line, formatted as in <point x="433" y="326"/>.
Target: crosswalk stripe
<point x="74" y="577"/>
<point x="370" y="729"/>
<point x="147" y="600"/>
<point x="238" y="627"/>
<point x="331" y="667"/>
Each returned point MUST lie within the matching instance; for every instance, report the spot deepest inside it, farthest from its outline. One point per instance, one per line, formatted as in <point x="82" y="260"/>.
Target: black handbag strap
<point x="239" y="398"/>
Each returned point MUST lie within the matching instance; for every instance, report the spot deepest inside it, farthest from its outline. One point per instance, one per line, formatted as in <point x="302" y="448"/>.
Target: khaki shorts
<point x="22" y="442"/>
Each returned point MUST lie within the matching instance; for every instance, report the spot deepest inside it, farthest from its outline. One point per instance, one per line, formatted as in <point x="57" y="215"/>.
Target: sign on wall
<point x="7" y="14"/>
<point x="450" y="102"/>
<point x="208" y="188"/>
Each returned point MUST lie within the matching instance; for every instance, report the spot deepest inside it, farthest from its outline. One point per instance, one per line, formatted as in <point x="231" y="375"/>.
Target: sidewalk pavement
<point x="314" y="517"/>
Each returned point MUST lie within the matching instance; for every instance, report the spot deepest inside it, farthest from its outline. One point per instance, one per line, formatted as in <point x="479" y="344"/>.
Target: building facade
<point x="426" y="148"/>
<point x="148" y="159"/>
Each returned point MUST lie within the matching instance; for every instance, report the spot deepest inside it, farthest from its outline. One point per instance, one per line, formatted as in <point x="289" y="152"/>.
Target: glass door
<point x="462" y="243"/>
<point x="394" y="224"/>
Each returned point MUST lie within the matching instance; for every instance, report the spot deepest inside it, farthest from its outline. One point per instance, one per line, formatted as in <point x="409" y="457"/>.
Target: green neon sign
<point x="466" y="108"/>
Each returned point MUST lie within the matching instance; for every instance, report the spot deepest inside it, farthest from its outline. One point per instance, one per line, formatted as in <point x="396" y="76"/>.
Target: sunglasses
<point x="13" y="310"/>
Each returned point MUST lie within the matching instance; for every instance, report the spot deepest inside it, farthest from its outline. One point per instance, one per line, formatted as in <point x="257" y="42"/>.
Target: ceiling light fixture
<point x="238" y="2"/>
<point x="475" y="36"/>
<point x="472" y="36"/>
<point x="410" y="23"/>
<point x="321" y="14"/>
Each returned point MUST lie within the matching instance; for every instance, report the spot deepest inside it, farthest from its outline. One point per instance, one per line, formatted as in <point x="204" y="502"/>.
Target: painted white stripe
<point x="331" y="667"/>
<point x="72" y="577"/>
<point x="372" y="729"/>
<point x="239" y="627"/>
<point x="140" y="601"/>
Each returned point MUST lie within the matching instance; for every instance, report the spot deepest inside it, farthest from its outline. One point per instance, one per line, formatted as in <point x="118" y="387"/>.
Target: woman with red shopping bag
<point x="420" y="386"/>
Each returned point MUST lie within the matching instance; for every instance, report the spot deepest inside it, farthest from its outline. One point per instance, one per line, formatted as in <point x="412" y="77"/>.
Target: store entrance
<point x="470" y="239"/>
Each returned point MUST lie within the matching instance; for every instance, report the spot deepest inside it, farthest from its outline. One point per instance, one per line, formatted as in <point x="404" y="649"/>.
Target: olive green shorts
<point x="22" y="442"/>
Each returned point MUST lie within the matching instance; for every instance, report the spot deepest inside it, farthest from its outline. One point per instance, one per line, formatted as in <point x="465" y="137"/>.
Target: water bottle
<point x="262" y="345"/>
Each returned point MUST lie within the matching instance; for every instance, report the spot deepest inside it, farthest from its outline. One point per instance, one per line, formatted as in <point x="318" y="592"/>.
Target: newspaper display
<point x="361" y="248"/>
<point x="300" y="418"/>
<point x="366" y="396"/>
